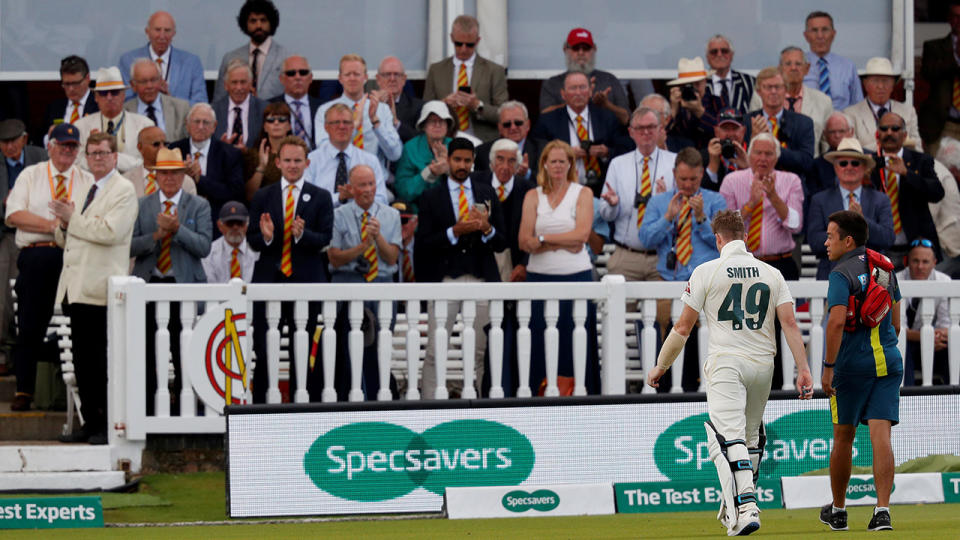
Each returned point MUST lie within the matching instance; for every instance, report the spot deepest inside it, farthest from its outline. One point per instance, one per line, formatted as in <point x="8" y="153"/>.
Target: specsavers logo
<point x="542" y="500"/>
<point x="858" y="488"/>
<point x="378" y="461"/>
<point x="796" y="443"/>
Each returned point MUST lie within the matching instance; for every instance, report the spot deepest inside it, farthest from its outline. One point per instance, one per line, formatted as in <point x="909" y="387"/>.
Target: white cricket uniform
<point x="739" y="296"/>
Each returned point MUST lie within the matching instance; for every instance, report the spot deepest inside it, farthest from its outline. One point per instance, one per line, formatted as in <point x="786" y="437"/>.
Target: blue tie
<point x="824" y="80"/>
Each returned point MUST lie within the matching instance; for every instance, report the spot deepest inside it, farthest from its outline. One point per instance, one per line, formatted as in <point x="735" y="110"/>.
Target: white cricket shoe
<point x="748" y="521"/>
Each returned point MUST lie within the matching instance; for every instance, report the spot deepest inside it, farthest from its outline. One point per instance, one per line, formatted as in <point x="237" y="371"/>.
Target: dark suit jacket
<point x="742" y="91"/>
<point x="939" y="69"/>
<point x="796" y="130"/>
<point x="531" y="147"/>
<point x="224" y="179"/>
<point x="434" y="258"/>
<point x="188" y="247"/>
<point x="917" y="189"/>
<point x="223" y="108"/>
<point x="316" y="208"/>
<point x="408" y="111"/>
<point x="605" y="128"/>
<point x="56" y="109"/>
<point x="876" y="211"/>
<point x="31" y="155"/>
<point x="512" y="211"/>
<point x="314" y="105"/>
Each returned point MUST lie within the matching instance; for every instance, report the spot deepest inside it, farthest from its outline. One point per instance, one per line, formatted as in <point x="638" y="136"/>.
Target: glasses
<point x="202" y="122"/>
<point x="68" y="147"/>
<point x="98" y="154"/>
<point x="849" y="163"/>
<point x="515" y="123"/>
<point x="581" y="47"/>
<point x="391" y="74"/>
<point x="276" y="119"/>
<point x="921" y="242"/>
<point x="717" y="52"/>
<point x="158" y="144"/>
<point x="339" y="122"/>
<point x="71" y="84"/>
<point x="105" y="93"/>
<point x="645" y="127"/>
<point x="300" y="72"/>
<point x="773" y="87"/>
<point x="466" y="44"/>
<point x="151" y="80"/>
<point x="894" y="129"/>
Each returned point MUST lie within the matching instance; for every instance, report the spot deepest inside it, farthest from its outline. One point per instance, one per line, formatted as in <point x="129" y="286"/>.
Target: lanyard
<point x="53" y="190"/>
<point x="653" y="171"/>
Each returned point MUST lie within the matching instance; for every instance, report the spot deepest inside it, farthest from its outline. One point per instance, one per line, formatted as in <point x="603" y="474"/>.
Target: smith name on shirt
<point x="743" y="272"/>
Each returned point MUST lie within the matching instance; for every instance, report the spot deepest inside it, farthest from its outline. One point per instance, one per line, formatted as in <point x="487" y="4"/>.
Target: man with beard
<point x="230" y="255"/>
<point x="580" y="53"/>
<point x="259" y="20"/>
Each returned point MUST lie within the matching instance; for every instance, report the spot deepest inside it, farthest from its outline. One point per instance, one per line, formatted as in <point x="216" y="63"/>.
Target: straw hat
<point x="850" y="148"/>
<point x="109" y="79"/>
<point x="169" y="159"/>
<point x="879" y="66"/>
<point x="689" y="70"/>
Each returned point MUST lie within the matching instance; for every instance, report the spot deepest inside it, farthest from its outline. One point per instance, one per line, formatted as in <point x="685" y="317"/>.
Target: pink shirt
<point x="777" y="234"/>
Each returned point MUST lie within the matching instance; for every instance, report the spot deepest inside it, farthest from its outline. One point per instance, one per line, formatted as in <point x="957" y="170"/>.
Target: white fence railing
<point x="401" y="351"/>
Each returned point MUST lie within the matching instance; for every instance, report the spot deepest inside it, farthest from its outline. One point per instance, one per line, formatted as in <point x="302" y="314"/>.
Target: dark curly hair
<point x="265" y="7"/>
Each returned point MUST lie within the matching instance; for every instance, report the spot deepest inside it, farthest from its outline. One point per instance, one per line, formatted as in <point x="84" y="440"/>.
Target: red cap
<point x="578" y="36"/>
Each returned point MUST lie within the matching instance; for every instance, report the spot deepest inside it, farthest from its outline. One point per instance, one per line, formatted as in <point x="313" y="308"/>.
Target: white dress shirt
<point x="216" y="265"/>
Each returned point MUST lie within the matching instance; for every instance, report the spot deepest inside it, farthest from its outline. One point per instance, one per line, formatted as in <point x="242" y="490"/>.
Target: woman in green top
<point x="259" y="163"/>
<point x="424" y="158"/>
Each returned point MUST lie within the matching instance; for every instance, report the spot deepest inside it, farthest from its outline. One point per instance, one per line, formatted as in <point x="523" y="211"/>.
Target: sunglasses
<point x="922" y="242"/>
<point x="516" y="123"/>
<point x="275" y="119"/>
<point x="715" y="52"/>
<point x="466" y="44"/>
<point x="300" y="72"/>
<point x="894" y="129"/>
<point x="105" y="93"/>
<point x="581" y="47"/>
<point x="234" y="223"/>
<point x="849" y="163"/>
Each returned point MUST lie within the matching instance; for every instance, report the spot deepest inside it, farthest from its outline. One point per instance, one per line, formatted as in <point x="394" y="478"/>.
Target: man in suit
<point x="834" y="75"/>
<point x="258" y="19"/>
<point x="214" y="165"/>
<point x="940" y="114"/>
<point x="241" y="111"/>
<point x="461" y="227"/>
<point x="75" y="80"/>
<point x="144" y="176"/>
<point x="946" y="213"/>
<point x="171" y="236"/>
<point x="726" y="152"/>
<point x="17" y="155"/>
<point x="96" y="245"/>
<point x="181" y="73"/>
<point x="793" y="130"/>
<point x="514" y="125"/>
<point x="474" y="107"/>
<point x="734" y="88"/>
<point x="296" y="78"/>
<point x="851" y="165"/>
<point x="113" y="119"/>
<point x="693" y="111"/>
<point x="167" y="112"/>
<point x="580" y="54"/>
<point x="594" y="132"/>
<point x="879" y="80"/>
<point x="910" y="181"/>
<point x="292" y="223"/>
<point x="391" y="78"/>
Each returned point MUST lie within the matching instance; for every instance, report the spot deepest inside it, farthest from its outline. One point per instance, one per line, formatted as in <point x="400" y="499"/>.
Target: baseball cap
<point x="234" y="211"/>
<point x="729" y="114"/>
<point x="578" y="36"/>
<point x="65" y="133"/>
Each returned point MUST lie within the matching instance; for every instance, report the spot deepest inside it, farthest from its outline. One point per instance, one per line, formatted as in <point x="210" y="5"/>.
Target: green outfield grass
<point x="200" y="497"/>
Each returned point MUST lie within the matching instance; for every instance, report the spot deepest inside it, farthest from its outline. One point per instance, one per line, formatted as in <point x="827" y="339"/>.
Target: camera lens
<point x="728" y="149"/>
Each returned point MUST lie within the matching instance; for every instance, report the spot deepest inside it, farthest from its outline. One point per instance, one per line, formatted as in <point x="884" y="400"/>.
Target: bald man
<point x="181" y="72"/>
<point x="391" y="78"/>
<point x="295" y="75"/>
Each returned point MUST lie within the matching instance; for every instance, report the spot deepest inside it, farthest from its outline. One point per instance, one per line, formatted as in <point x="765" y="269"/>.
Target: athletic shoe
<point x="747" y="522"/>
<point x="880" y="522"/>
<point x="836" y="520"/>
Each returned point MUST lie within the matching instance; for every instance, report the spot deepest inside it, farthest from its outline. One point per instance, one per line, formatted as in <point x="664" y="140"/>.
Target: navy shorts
<point x="862" y="398"/>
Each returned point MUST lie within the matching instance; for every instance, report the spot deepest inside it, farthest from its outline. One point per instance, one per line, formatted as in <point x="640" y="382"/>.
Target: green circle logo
<point x="519" y="501"/>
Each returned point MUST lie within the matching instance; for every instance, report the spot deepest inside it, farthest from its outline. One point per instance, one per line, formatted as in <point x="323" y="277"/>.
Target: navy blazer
<point x="224" y="179"/>
<point x="512" y="211"/>
<point x="408" y="112"/>
<point x="917" y="189"/>
<point x="434" y="258"/>
<point x="56" y="109"/>
<point x="742" y="91"/>
<point x="876" y="211"/>
<point x="223" y="108"/>
<point x="314" y="105"/>
<point x="796" y="130"/>
<point x="316" y="208"/>
<point x="184" y="75"/>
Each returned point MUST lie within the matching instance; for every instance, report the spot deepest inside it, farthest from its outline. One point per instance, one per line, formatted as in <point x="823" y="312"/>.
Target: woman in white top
<point x="556" y="222"/>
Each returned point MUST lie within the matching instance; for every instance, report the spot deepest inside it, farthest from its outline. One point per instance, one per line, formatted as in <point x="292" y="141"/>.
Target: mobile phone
<point x="464" y="89"/>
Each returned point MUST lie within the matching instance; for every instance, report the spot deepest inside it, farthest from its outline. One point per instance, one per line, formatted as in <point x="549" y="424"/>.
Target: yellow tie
<point x="501" y="193"/>
<point x="463" y="115"/>
<point x="893" y="191"/>
<point x="684" y="247"/>
<point x="151" y="186"/>
<point x="370" y="253"/>
<point x="164" y="263"/>
<point x="408" y="276"/>
<point x="956" y="93"/>
<point x="775" y="129"/>
<point x="160" y="67"/>
<point x="462" y="204"/>
<point x="358" y="121"/>
<point x="645" y="190"/>
<point x="852" y="199"/>
<point x="61" y="190"/>
<point x="75" y="115"/>
<point x="591" y="163"/>
<point x="235" y="264"/>
<point x="755" y="231"/>
<point x="286" y="263"/>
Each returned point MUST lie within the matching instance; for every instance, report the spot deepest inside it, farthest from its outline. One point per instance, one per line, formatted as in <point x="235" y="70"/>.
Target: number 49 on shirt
<point x="755" y="302"/>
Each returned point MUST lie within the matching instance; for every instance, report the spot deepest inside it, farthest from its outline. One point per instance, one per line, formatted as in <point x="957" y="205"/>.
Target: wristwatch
<point x="540" y="239"/>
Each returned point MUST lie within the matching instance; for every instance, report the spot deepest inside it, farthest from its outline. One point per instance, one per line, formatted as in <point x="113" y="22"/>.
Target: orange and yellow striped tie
<point x="235" y="264"/>
<point x="370" y="254"/>
<point x="956" y="93"/>
<point x="61" y="189"/>
<point x="164" y="263"/>
<point x="75" y="115"/>
<point x="755" y="231"/>
<point x="160" y="66"/>
<point x="645" y="189"/>
<point x="407" y="266"/>
<point x="893" y="191"/>
<point x="151" y="186"/>
<point x="463" y="115"/>
<point x="591" y="163"/>
<point x="775" y="130"/>
<point x="462" y="204"/>
<point x="501" y="193"/>
<point x="286" y="263"/>
<point x="358" y="121"/>
<point x="684" y="247"/>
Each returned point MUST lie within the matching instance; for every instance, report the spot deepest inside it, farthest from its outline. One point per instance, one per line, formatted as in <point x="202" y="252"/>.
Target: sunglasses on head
<point x="104" y="93"/>
<point x="516" y="123"/>
<point x="300" y="72"/>
<point x="274" y="119"/>
<point x="849" y="162"/>
<point x="894" y="129"/>
<point x="466" y="44"/>
<point x="715" y="52"/>
<point x="922" y="242"/>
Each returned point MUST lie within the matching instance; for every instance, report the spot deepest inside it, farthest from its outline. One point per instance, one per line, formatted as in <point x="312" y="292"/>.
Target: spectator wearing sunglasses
<point x="910" y="182"/>
<point x="144" y="177"/>
<point x="259" y="163"/>
<point x="851" y="165"/>
<point x="734" y="88"/>
<point x="920" y="266"/>
<point x="879" y="80"/>
<point x="580" y="53"/>
<point x="112" y="119"/>
<point x="514" y="125"/>
<point x="472" y="86"/>
<point x="296" y="78"/>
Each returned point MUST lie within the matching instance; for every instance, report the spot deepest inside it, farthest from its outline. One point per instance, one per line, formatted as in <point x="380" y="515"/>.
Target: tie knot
<point x="366" y="215"/>
<point x="237" y="109"/>
<point x="76" y="103"/>
<point x="579" y="119"/>
<point x="341" y="155"/>
<point x="60" y="177"/>
<point x="646" y="160"/>
<point x="236" y="251"/>
<point x="167" y="206"/>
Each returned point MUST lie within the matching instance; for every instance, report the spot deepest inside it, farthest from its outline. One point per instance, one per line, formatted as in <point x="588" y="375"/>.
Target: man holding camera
<point x="726" y="152"/>
<point x="694" y="111"/>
